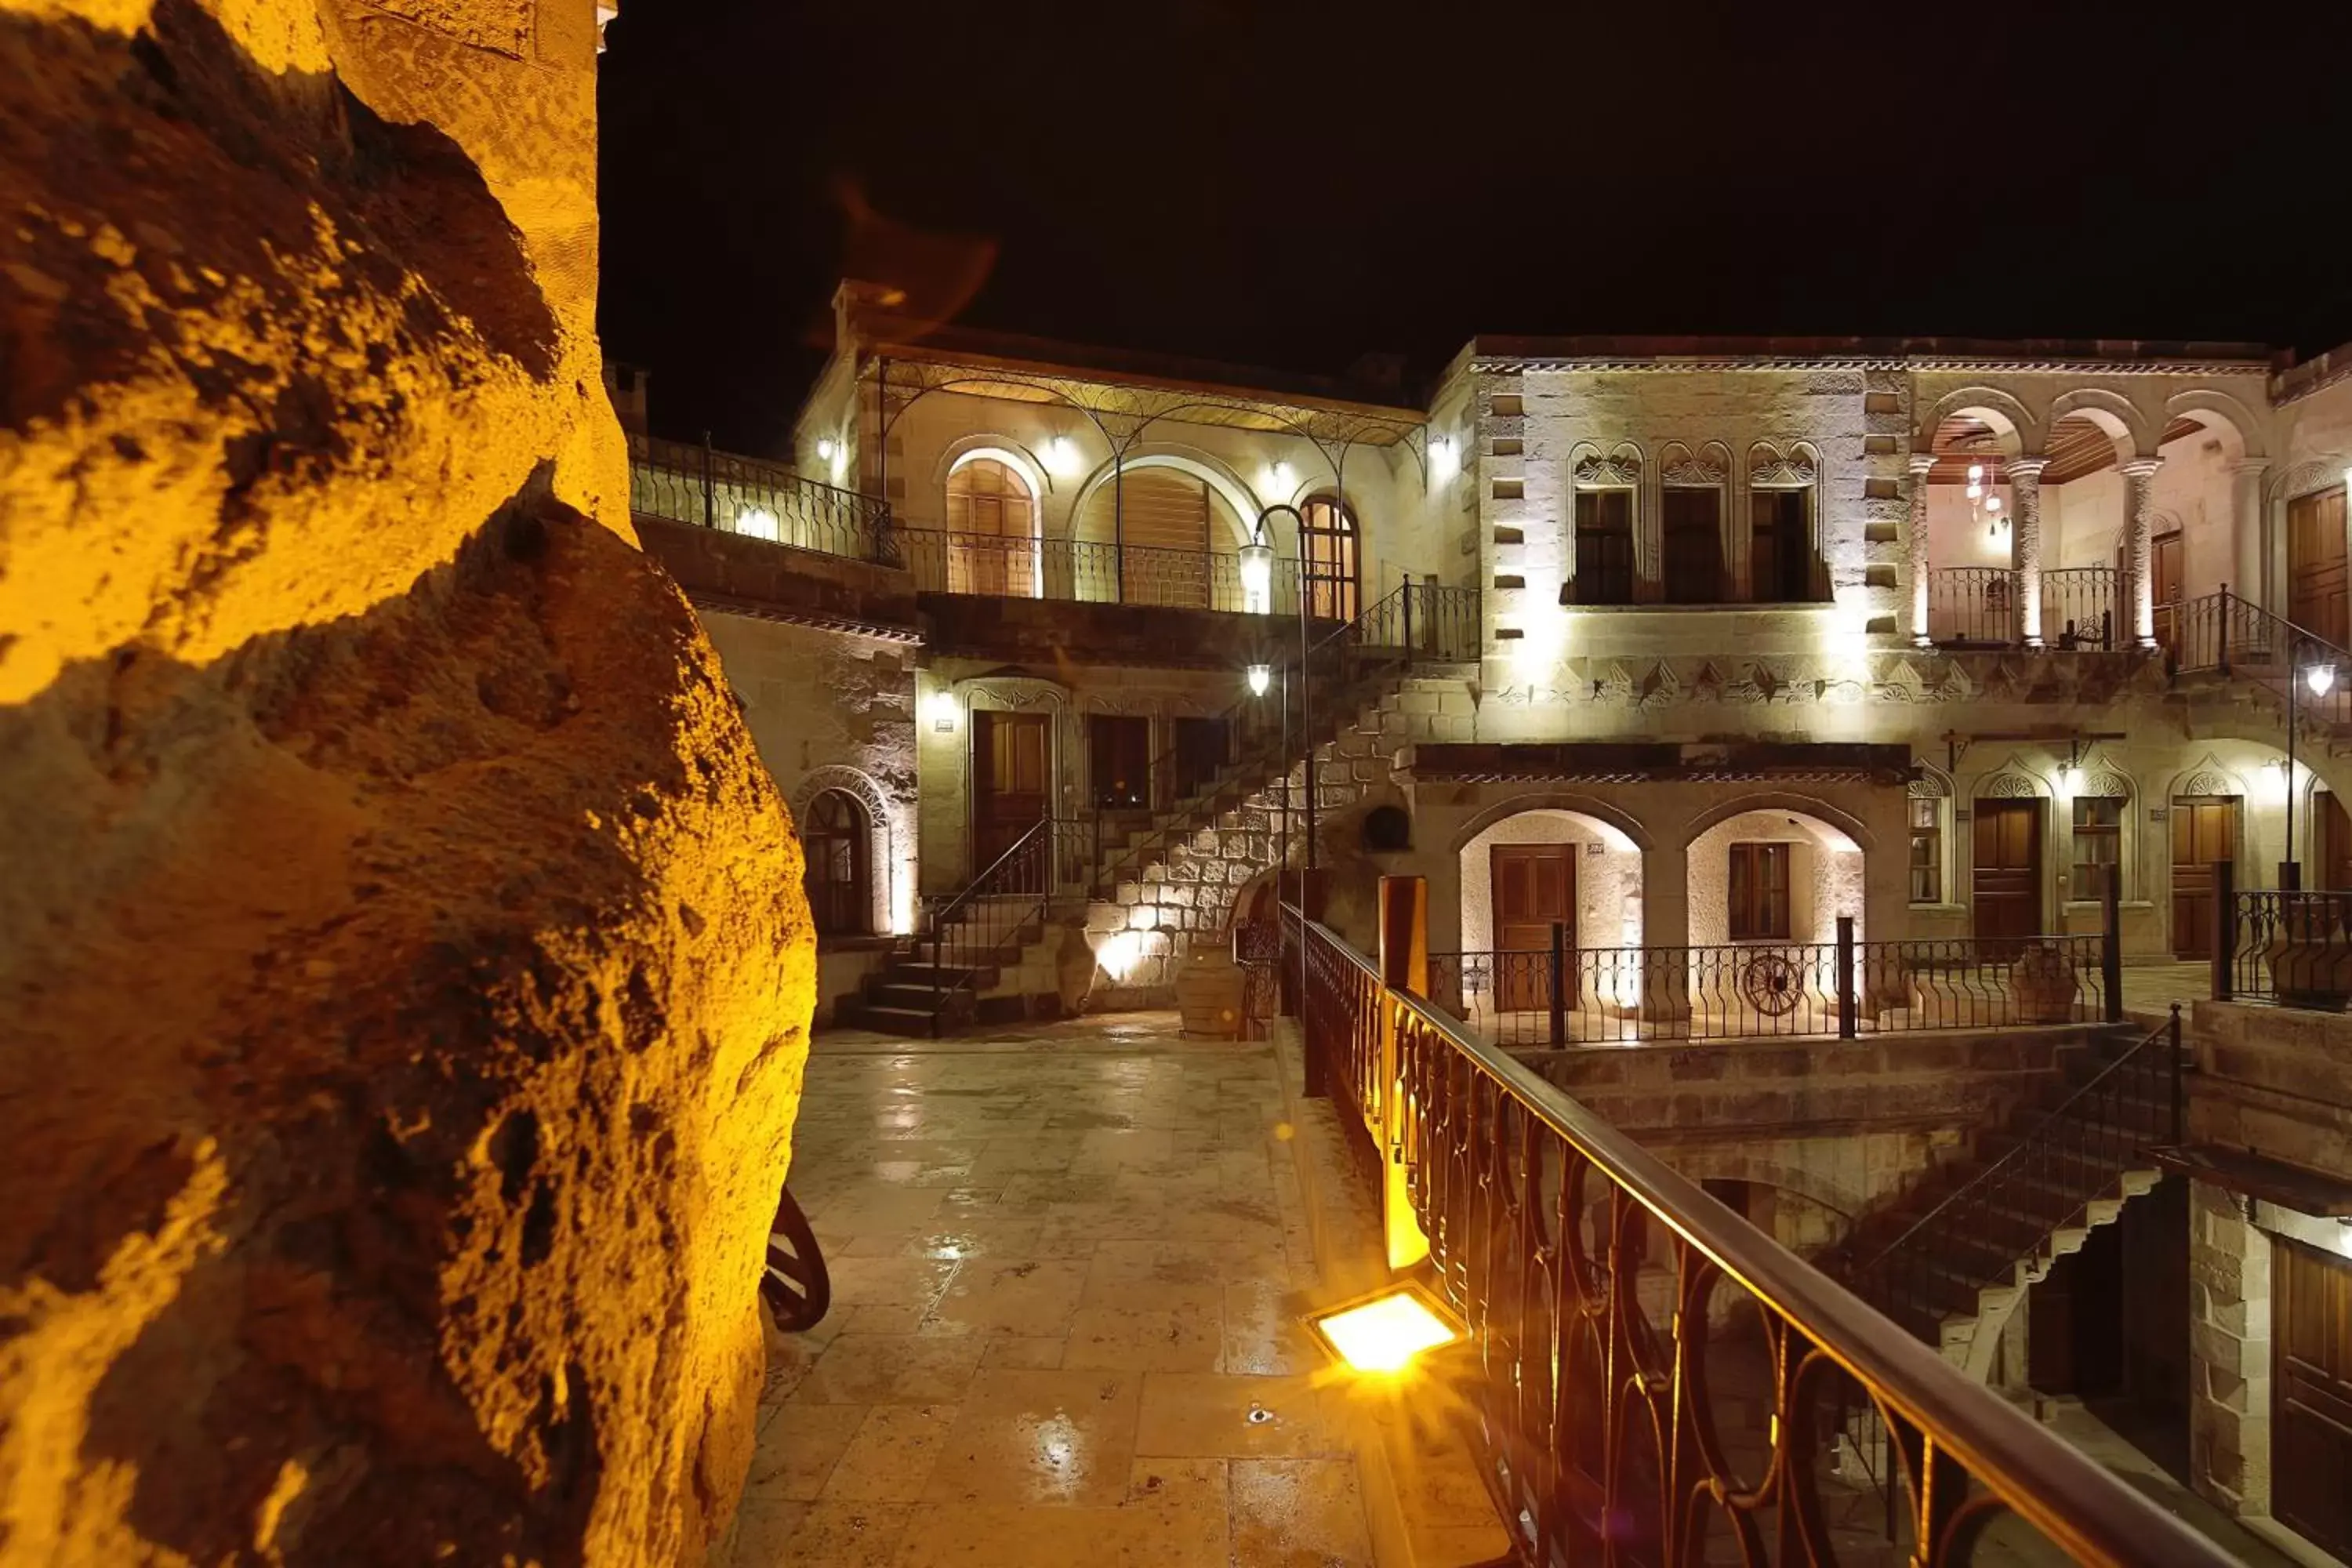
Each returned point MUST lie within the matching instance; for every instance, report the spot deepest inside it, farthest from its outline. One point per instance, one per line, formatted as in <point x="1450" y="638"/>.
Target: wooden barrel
<point x="1208" y="993"/>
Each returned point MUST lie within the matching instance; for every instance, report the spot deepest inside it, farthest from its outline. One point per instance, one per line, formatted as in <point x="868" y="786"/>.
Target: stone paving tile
<point x="1067" y="1262"/>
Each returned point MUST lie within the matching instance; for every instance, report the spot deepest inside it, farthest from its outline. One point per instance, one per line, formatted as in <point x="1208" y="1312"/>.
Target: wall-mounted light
<point x="824" y="448"/>
<point x="1060" y="455"/>
<point x="942" y="709"/>
<point x="1260" y="677"/>
<point x="1443" y="461"/>
<point x="757" y="522"/>
<point x="2320" y="679"/>
<point x="2070" y="777"/>
<point x="1282" y="478"/>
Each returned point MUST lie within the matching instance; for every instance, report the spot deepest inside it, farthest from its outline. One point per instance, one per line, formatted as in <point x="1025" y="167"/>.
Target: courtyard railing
<point x="756" y="499"/>
<point x="2294" y="949"/>
<point x="1566" y="995"/>
<point x="2080" y="608"/>
<point x="1648" y="1378"/>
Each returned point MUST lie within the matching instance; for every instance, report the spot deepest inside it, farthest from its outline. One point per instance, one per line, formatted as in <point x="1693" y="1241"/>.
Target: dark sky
<point x="1293" y="185"/>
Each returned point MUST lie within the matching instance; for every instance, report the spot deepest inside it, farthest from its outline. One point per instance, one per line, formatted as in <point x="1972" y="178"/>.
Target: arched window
<point x="991" y="532"/>
<point x="837" y="840"/>
<point x="1330" y="565"/>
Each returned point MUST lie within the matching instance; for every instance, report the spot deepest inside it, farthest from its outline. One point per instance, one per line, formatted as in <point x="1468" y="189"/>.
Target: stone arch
<point x="2302" y="478"/>
<point x="2210" y="775"/>
<point x="2012" y="425"/>
<point x="1774" y="800"/>
<point x="1606" y="867"/>
<point x="1619" y="467"/>
<point x="2112" y="412"/>
<point x="1240" y="500"/>
<point x="2221" y="410"/>
<point x="884" y="830"/>
<point x="1932" y="782"/>
<point x="1720" y="1163"/>
<point x="1636" y="835"/>
<point x="2103" y="778"/>
<point x="1680" y="467"/>
<point x="2013" y="778"/>
<point x="1002" y="448"/>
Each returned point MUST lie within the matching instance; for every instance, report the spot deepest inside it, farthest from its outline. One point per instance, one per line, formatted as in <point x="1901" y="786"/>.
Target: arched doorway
<point x="1521" y="875"/>
<point x="1330" y="566"/>
<point x="835" y="840"/>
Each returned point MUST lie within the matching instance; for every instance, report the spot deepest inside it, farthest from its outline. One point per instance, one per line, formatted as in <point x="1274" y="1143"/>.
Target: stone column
<point x="2250" y="552"/>
<point x="1920" y="463"/>
<point x="1665" y="923"/>
<point x="2025" y="543"/>
<point x="2140" y="556"/>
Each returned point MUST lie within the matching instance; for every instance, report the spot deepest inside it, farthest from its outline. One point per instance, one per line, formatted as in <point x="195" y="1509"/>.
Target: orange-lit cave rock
<point x="404" y="972"/>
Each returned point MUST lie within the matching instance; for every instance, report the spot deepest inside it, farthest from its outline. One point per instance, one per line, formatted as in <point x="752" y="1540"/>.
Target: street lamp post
<point x="2320" y="676"/>
<point x="1257" y="580"/>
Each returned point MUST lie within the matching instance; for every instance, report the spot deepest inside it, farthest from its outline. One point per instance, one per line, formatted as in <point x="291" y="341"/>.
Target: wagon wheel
<point x="793" y="1281"/>
<point x="1769" y="985"/>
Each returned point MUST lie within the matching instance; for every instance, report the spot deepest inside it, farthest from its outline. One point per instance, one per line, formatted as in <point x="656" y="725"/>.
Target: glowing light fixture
<point x="1060" y="455"/>
<point x="1119" y="954"/>
<point x="1260" y="678"/>
<point x="1258" y="576"/>
<point x="942" y="708"/>
<point x="1444" y="462"/>
<point x="757" y="522"/>
<point x="825" y="448"/>
<point x="1282" y="478"/>
<point x="2321" y="679"/>
<point x="1386" y="1332"/>
<point x="2071" y="778"/>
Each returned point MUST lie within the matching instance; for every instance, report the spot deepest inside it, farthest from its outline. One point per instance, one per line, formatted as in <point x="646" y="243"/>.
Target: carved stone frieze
<point x="2009" y="787"/>
<point x="1623" y="471"/>
<point x="1783" y="472"/>
<point x="1693" y="473"/>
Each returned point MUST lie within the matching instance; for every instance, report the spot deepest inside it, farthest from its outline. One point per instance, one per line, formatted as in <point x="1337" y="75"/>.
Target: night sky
<point x="1295" y="185"/>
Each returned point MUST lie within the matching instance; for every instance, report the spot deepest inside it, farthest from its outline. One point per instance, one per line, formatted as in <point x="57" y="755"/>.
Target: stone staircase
<point x="1951" y="1260"/>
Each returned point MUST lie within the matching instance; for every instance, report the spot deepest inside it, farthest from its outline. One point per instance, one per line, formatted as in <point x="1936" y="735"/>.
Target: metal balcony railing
<point x="2080" y="607"/>
<point x="1648" y="1377"/>
<point x="1571" y="995"/>
<point x="1972" y="605"/>
<point x="1092" y="572"/>
<point x="756" y="499"/>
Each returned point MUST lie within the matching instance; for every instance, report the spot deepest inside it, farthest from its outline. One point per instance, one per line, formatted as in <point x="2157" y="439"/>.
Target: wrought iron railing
<point x="1993" y="1223"/>
<point x="1974" y="605"/>
<point x="1749" y="990"/>
<point x="2222" y="634"/>
<point x="1646" y="1371"/>
<point x="756" y="499"/>
<point x="1423" y="621"/>
<point x="2080" y="607"/>
<point x="2291" y="948"/>
<point x="987" y="923"/>
<point x="1092" y="572"/>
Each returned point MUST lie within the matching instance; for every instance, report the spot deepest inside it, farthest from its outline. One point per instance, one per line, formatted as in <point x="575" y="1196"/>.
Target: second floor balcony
<point x="683" y="482"/>
<point x="1109" y="573"/>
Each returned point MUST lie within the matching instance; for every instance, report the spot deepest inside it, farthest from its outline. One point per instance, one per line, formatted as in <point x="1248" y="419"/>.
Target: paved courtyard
<point x="1065" y="1261"/>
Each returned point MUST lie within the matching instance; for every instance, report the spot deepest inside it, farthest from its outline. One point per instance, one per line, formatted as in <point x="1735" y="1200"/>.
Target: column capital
<point x="1919" y="463"/>
<point x="2023" y="468"/>
<point x="2139" y="467"/>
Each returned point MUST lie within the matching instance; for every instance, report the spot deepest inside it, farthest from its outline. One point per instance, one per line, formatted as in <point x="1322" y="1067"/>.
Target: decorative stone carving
<point x="1623" y="471"/>
<point x="1928" y="786"/>
<point x="2205" y="781"/>
<point x="2107" y="786"/>
<point x="2009" y="787"/>
<point x="1695" y="473"/>
<point x="1771" y="471"/>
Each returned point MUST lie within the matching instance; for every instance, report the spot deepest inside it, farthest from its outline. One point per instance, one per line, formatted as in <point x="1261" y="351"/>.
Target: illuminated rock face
<point x="404" y="971"/>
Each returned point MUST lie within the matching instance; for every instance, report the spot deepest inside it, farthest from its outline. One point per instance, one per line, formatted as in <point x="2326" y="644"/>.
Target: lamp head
<point x="2320" y="677"/>
<point x="1260" y="678"/>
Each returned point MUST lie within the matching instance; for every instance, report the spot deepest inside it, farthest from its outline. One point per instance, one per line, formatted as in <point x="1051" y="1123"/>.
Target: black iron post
<point x="2222" y="612"/>
<point x="2225" y="928"/>
<point x="2111" y="945"/>
<point x="1849" y="1019"/>
<point x="2180" y="1088"/>
<point x="1559" y="983"/>
<point x="706" y="480"/>
<point x="2290" y="871"/>
<point x="1260" y="535"/>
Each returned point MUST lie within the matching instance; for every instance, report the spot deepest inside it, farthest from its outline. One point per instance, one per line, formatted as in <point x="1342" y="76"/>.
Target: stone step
<point x="908" y="1022"/>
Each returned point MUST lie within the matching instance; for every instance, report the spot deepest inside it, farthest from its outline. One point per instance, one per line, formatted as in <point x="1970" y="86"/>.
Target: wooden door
<point x="2311" y="1395"/>
<point x="2165" y="581"/>
<point x="2315" y="564"/>
<point x="2006" y="877"/>
<point x="2204" y="829"/>
<point x="1534" y="886"/>
<point x="2335" y="867"/>
<point x="1011" y="780"/>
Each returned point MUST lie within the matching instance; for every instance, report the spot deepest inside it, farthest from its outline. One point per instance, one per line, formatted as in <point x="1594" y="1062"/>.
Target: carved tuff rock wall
<point x="403" y="976"/>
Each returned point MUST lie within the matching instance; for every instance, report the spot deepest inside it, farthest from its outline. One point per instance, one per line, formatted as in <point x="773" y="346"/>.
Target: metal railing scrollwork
<point x="1649" y="1378"/>
<point x="756" y="499"/>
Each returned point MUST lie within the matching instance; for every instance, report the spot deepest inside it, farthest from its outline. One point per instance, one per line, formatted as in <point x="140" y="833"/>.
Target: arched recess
<point x="2101" y="829"/>
<point x="2218" y="410"/>
<point x="1615" y="818"/>
<point x="995" y="523"/>
<point x="1829" y="815"/>
<point x="998" y="447"/>
<point x="1783" y="869"/>
<point x="1983" y="861"/>
<point x="1330" y="557"/>
<point x="2112" y="412"/>
<point x="1999" y="411"/>
<point x="890" y="888"/>
<point x="1588" y="863"/>
<point x="1716" y="1163"/>
<point x="1240" y="504"/>
<point x="1694" y="531"/>
<point x="1929" y="869"/>
<point x="1608" y="533"/>
<point x="1781" y="542"/>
